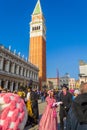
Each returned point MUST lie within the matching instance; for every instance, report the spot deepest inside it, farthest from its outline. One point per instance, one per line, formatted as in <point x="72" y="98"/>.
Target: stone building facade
<point x="72" y="83"/>
<point x="53" y="83"/>
<point x="82" y="71"/>
<point x="15" y="71"/>
<point x="64" y="80"/>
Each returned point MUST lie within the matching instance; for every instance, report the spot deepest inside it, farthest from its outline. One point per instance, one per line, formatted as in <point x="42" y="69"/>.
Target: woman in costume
<point x="49" y="117"/>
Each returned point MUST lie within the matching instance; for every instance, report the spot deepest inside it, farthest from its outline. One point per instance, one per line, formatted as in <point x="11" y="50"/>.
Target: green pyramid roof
<point x="37" y="9"/>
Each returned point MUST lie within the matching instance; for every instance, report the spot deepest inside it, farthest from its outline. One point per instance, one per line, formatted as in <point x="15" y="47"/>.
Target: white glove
<point x="57" y="104"/>
<point x="54" y="104"/>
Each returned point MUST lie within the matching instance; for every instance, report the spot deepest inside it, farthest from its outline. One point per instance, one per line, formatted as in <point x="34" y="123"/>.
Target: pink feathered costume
<point x="13" y="112"/>
<point x="49" y="117"/>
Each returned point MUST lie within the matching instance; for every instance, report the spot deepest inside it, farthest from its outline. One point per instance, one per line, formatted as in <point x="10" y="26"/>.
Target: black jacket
<point x="67" y="100"/>
<point x="77" y="116"/>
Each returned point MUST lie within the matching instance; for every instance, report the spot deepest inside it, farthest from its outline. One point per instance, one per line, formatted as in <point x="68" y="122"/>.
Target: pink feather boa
<point x="14" y="112"/>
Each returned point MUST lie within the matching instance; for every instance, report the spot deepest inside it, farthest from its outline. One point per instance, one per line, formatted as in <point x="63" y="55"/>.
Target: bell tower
<point x="37" y="51"/>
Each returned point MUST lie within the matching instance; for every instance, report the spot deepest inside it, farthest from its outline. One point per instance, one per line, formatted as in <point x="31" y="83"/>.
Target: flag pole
<point x="57" y="77"/>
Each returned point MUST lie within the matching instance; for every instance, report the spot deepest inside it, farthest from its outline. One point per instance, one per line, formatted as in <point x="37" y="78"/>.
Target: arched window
<point x="39" y="27"/>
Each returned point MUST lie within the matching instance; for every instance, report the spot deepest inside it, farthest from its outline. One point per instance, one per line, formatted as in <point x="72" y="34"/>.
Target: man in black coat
<point x="77" y="116"/>
<point x="66" y="99"/>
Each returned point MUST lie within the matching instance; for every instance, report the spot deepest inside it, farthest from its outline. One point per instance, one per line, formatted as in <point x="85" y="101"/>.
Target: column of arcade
<point x="14" y="69"/>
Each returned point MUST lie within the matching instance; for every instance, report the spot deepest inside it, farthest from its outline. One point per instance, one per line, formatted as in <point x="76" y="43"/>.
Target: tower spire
<point x="37" y="9"/>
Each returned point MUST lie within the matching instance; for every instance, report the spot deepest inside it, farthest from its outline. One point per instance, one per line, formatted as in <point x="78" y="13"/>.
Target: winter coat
<point x="67" y="100"/>
<point x="77" y="116"/>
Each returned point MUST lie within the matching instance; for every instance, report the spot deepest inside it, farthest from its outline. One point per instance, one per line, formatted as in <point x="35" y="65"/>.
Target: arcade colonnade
<point x="15" y="70"/>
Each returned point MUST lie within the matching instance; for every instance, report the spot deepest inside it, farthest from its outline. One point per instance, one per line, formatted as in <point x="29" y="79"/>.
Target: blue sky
<point x="66" y="22"/>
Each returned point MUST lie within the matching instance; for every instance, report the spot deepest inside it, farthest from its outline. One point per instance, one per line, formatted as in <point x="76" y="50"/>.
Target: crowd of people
<point x="72" y="107"/>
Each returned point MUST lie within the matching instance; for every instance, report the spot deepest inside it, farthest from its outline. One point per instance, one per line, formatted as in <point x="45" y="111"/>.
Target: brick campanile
<point x="37" y="52"/>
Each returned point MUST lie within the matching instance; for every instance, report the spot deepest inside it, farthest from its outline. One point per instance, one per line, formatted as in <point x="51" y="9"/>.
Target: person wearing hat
<point x="66" y="99"/>
<point x="48" y="120"/>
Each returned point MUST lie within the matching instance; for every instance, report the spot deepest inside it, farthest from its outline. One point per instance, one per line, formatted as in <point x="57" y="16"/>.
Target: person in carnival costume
<point x="49" y="117"/>
<point x="32" y="106"/>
